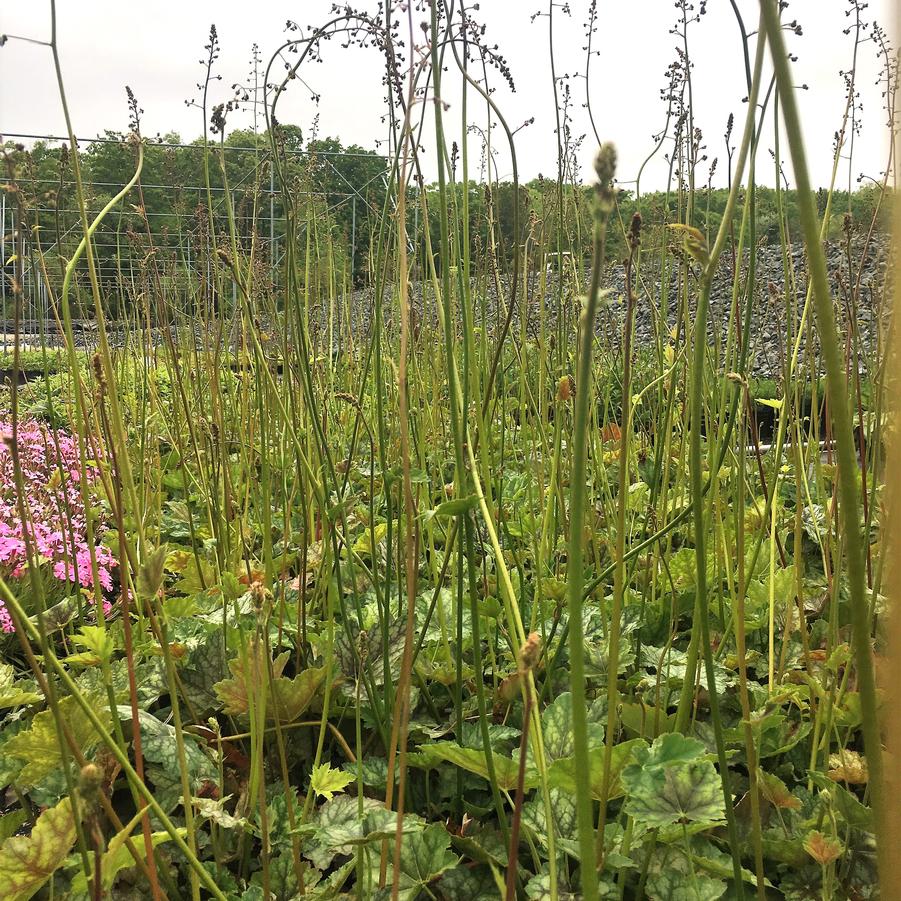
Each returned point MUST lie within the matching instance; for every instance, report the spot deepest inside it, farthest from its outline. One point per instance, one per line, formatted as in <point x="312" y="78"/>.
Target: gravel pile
<point x="858" y="278"/>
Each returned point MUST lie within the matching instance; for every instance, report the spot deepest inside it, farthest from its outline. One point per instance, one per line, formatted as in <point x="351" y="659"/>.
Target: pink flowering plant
<point x="55" y="510"/>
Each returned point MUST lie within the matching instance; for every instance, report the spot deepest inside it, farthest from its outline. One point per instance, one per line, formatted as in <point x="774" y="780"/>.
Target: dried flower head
<point x="259" y="595"/>
<point x="97" y="366"/>
<point x="605" y="169"/>
<point x="635" y="230"/>
<point x="89" y="781"/>
<point x="530" y="652"/>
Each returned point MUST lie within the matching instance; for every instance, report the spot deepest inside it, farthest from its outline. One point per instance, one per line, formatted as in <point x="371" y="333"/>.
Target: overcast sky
<point x="155" y="47"/>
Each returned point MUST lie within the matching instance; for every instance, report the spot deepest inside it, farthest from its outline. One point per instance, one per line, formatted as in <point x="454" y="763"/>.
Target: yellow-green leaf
<point x="10" y="695"/>
<point x="118" y="857"/>
<point x="506" y="769"/>
<point x="96" y="639"/>
<point x="327" y="782"/>
<point x="822" y="848"/>
<point x="694" y="242"/>
<point x="28" y="861"/>
<point x="39" y="745"/>
<point x="250" y="678"/>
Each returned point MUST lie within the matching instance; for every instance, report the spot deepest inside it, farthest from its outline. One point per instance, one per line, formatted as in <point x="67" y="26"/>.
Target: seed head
<point x="566" y="388"/>
<point x="258" y="594"/>
<point x="530" y="652"/>
<point x="97" y="365"/>
<point x="635" y="230"/>
<point x="605" y="168"/>
<point x="89" y="781"/>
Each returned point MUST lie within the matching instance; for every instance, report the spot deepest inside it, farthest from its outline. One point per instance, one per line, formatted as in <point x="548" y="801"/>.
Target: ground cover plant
<point x="492" y="566"/>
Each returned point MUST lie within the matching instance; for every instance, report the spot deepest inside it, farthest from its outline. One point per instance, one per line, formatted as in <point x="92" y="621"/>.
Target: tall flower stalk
<point x="842" y="429"/>
<point x="605" y="168"/>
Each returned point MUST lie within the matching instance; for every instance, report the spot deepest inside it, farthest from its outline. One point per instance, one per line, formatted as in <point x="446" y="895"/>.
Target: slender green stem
<point x="836" y="381"/>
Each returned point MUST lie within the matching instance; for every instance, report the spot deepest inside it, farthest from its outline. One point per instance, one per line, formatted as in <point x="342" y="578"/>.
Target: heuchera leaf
<point x="160" y="749"/>
<point x="670" y="783"/>
<point x="563" y="810"/>
<point x="10" y="694"/>
<point x="556" y="726"/>
<point x="538" y="888"/>
<point x="464" y="883"/>
<point x="205" y="666"/>
<point x="424" y="856"/>
<point x="118" y="857"/>
<point x="672" y="877"/>
<point x="562" y="773"/>
<point x="39" y="745"/>
<point x="10" y="823"/>
<point x="28" y="861"/>
<point x="326" y="781"/>
<point x="339" y="827"/>
<point x="214" y="809"/>
<point x="776" y="791"/>
<point x="474" y="760"/>
<point x="289" y="697"/>
<point x="822" y="848"/>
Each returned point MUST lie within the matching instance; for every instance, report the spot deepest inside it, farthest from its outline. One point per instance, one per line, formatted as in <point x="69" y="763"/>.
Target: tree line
<point x="340" y="195"/>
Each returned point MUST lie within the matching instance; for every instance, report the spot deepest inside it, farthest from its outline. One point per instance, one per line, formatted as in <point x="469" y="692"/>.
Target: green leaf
<point x="670" y="783"/>
<point x="464" y="883"/>
<point x="789" y="851"/>
<point x="291" y="697"/>
<point x="118" y="857"/>
<point x="10" y="823"/>
<point x="672" y="877"/>
<point x="28" y="861"/>
<point x="777" y="792"/>
<point x="423" y="858"/>
<point x="845" y="802"/>
<point x="670" y="749"/>
<point x="160" y="751"/>
<point x="485" y="846"/>
<point x="39" y="745"/>
<point x="213" y="809"/>
<point x="96" y="639"/>
<point x="152" y="571"/>
<point x="205" y="666"/>
<point x="457" y="506"/>
<point x="339" y="828"/>
<point x="426" y="855"/>
<point x="538" y="888"/>
<point x="374" y="771"/>
<point x="326" y="781"/>
<point x="563" y="811"/>
<point x="562" y="773"/>
<point x="474" y="760"/>
<point x="556" y="725"/>
<point x="282" y="878"/>
<point x="250" y="676"/>
<point x="646" y="720"/>
<point x="10" y="694"/>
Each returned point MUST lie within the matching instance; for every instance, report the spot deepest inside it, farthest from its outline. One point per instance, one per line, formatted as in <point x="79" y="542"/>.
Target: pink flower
<point x="6" y="621"/>
<point x="56" y="519"/>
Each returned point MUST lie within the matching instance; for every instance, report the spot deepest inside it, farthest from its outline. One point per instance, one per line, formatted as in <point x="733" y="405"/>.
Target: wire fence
<point x="178" y="227"/>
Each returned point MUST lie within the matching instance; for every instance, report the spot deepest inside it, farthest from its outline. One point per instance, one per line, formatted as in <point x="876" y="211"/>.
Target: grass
<point x="486" y="604"/>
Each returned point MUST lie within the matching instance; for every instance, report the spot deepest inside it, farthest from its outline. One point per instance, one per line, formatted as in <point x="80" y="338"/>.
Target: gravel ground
<point x="859" y="291"/>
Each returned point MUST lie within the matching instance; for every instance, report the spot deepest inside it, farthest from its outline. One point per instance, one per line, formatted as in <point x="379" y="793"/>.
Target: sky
<point x="156" y="47"/>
